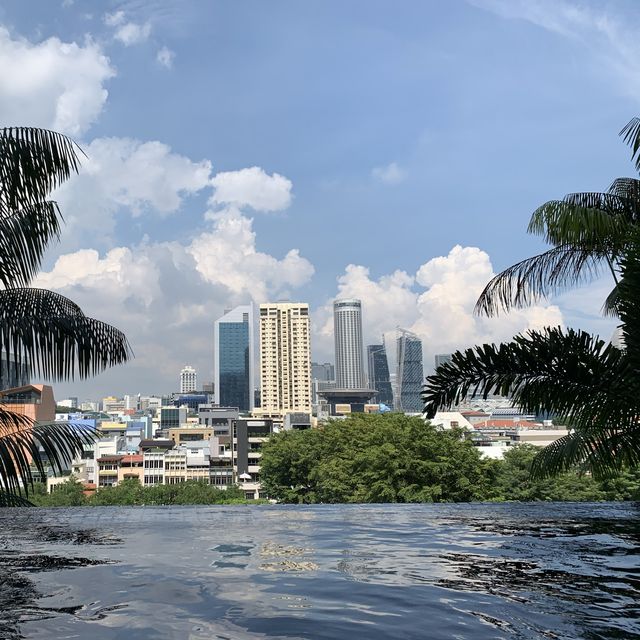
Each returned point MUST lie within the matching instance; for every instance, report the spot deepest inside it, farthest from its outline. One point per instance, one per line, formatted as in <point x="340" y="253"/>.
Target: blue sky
<point x="265" y="150"/>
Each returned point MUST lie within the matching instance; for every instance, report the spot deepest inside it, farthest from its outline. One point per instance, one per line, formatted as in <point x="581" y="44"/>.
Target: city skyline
<point x="211" y="180"/>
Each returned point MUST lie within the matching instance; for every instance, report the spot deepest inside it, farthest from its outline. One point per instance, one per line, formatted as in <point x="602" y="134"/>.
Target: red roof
<point x="137" y="457"/>
<point x="505" y="424"/>
<point x="110" y="459"/>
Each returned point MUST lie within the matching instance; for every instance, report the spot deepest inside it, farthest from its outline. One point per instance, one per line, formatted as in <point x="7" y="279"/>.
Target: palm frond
<point x="24" y="236"/>
<point x="551" y="371"/>
<point x="50" y="335"/>
<point x="627" y="188"/>
<point x="24" y="446"/>
<point x="610" y="307"/>
<point x="33" y="163"/>
<point x="630" y="133"/>
<point x="539" y="277"/>
<point x="629" y="302"/>
<point x="604" y="452"/>
<point x="597" y="220"/>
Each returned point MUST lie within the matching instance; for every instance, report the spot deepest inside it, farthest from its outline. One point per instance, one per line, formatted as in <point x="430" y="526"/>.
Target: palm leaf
<point x="24" y="445"/>
<point x="551" y="371"/>
<point x="604" y="452"/>
<point x="33" y="162"/>
<point x="24" y="236"/>
<point x="631" y="135"/>
<point x="50" y="335"/>
<point x="598" y="220"/>
<point x="539" y="277"/>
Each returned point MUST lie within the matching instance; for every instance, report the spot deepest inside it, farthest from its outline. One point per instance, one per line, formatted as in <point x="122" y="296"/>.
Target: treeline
<point x="131" y="492"/>
<point x="396" y="458"/>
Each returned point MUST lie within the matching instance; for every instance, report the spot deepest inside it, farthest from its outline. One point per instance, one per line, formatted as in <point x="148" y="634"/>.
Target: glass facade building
<point x="379" y="378"/>
<point x="410" y="374"/>
<point x="233" y="360"/>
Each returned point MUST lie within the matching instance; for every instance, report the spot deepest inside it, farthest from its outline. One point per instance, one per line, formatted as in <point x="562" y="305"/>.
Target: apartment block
<point x="285" y="359"/>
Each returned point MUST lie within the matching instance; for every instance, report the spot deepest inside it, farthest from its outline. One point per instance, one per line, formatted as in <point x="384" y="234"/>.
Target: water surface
<point x="345" y="571"/>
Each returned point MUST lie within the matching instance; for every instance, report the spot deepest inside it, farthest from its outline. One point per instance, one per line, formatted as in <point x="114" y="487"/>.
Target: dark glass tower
<point x="379" y="378"/>
<point x="233" y="367"/>
<point x="410" y="376"/>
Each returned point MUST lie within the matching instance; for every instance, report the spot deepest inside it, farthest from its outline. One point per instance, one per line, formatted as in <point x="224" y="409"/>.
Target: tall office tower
<point x="285" y="358"/>
<point x="188" y="379"/>
<point x="410" y="376"/>
<point x="442" y="358"/>
<point x="324" y="372"/>
<point x="233" y="361"/>
<point x="347" y="332"/>
<point x="379" y="378"/>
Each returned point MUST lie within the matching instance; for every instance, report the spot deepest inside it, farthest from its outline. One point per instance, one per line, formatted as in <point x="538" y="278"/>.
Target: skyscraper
<point x="347" y="331"/>
<point x="188" y="379"/>
<point x="410" y="376"/>
<point x="233" y="360"/>
<point x="285" y="358"/>
<point x="379" y="378"/>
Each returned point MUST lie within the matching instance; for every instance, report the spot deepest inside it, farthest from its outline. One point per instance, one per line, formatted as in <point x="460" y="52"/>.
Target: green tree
<point x="594" y="385"/>
<point x="40" y="330"/>
<point x="374" y="458"/>
<point x="513" y="480"/>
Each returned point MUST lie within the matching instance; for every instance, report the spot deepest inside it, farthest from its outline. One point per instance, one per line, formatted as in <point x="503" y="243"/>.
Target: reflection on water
<point x="405" y="571"/>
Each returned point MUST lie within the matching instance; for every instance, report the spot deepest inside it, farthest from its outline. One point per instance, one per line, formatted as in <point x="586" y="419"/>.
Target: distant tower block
<point x="347" y="328"/>
<point x="188" y="380"/>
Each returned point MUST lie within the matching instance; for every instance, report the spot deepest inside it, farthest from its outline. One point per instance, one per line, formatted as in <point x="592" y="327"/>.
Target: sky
<point x="285" y="150"/>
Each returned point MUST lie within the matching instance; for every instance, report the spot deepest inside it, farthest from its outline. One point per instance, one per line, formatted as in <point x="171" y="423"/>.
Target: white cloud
<point x="128" y="33"/>
<point x="121" y="173"/>
<point x="165" y="57"/>
<point x="53" y="84"/>
<point x="253" y="188"/>
<point x="228" y="256"/>
<point x="610" y="40"/>
<point x="437" y="304"/>
<point x="165" y="296"/>
<point x="390" y="174"/>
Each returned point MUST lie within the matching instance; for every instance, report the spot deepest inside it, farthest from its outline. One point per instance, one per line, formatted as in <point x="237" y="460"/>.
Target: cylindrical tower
<point x="347" y="330"/>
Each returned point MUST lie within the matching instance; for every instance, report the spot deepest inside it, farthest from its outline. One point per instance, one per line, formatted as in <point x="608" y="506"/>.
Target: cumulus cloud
<point x="130" y="175"/>
<point x="252" y="187"/>
<point x="165" y="57"/>
<point x="390" y="174"/>
<point x="127" y="32"/>
<point x="166" y="296"/>
<point x="52" y="84"/>
<point x="227" y="255"/>
<point x="437" y="304"/>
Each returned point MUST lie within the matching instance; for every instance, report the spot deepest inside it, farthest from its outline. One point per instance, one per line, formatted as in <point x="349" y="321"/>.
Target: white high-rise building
<point x="347" y="330"/>
<point x="285" y="358"/>
<point x="188" y="380"/>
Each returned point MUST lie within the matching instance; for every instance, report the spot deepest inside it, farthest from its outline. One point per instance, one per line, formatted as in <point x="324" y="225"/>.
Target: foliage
<point x="131" y="492"/>
<point x="373" y="458"/>
<point x="594" y="385"/>
<point x="40" y="331"/>
<point x="396" y="458"/>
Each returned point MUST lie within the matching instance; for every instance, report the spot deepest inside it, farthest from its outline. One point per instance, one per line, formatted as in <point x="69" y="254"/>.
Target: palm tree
<point x="40" y="331"/>
<point x="594" y="385"/>
<point x="588" y="231"/>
